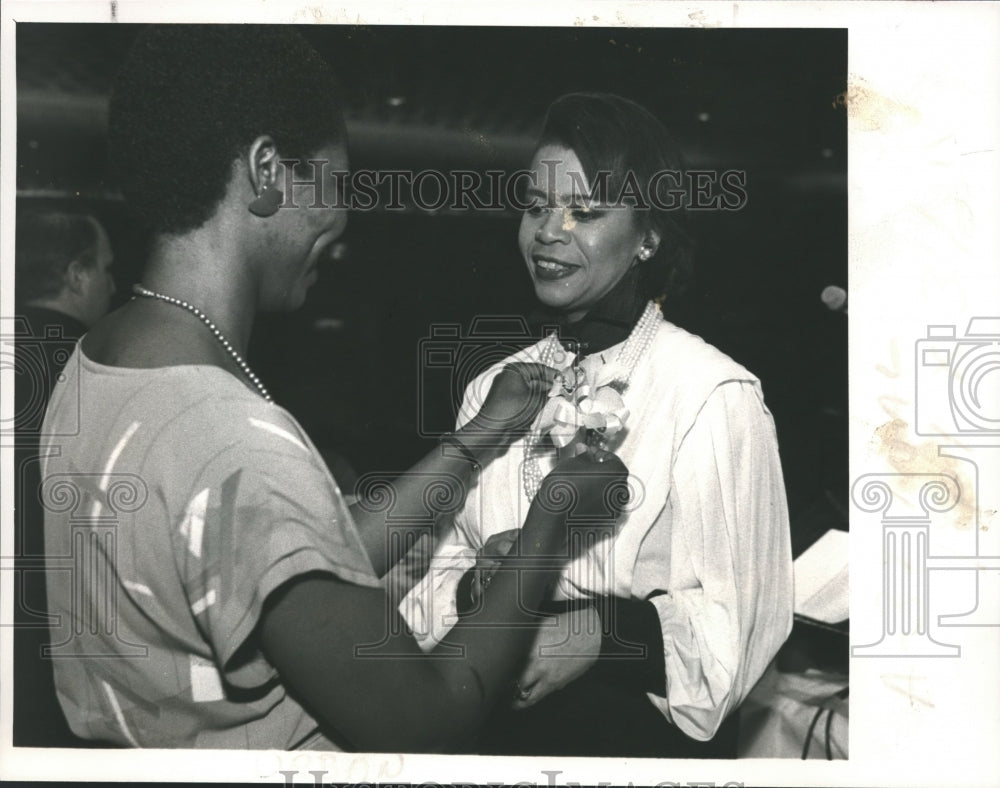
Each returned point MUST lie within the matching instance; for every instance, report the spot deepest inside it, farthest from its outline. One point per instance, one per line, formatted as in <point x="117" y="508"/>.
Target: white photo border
<point x="924" y="251"/>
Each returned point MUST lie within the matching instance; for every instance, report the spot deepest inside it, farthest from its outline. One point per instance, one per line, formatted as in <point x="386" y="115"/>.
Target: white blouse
<point x="706" y="538"/>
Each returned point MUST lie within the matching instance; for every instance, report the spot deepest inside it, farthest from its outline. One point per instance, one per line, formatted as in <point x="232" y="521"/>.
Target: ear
<point x="262" y="163"/>
<point x="76" y="277"/>
<point x="650" y="243"/>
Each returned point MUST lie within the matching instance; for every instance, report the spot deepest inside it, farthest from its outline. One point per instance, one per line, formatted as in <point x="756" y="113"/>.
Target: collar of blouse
<point x="609" y="321"/>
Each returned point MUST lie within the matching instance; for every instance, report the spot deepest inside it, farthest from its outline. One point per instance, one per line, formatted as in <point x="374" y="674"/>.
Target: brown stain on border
<point x="892" y="441"/>
<point x="870" y="110"/>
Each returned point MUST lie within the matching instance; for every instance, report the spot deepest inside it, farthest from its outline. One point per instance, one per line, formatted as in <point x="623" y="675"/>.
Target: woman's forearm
<point x="496" y="636"/>
<point x="441" y="479"/>
<point x="340" y="648"/>
<point x="368" y="681"/>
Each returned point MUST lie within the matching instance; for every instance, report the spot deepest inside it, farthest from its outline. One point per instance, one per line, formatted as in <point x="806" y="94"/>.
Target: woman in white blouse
<point x="655" y="634"/>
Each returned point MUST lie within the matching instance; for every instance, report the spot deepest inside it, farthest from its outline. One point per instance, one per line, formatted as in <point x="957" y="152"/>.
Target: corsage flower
<point x="588" y="400"/>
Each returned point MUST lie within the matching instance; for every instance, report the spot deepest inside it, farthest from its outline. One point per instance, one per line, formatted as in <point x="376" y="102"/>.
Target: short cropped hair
<point x="190" y="99"/>
<point x="609" y="133"/>
<point x="45" y="243"/>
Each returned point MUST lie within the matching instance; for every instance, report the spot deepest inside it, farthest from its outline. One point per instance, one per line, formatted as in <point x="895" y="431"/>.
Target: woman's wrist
<point x="481" y="443"/>
<point x="455" y="446"/>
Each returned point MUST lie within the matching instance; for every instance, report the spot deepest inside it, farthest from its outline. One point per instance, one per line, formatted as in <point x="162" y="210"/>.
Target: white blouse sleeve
<point x="430" y="608"/>
<point x="732" y="609"/>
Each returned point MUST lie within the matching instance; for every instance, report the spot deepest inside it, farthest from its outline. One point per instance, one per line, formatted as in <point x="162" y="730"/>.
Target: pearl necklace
<point x="630" y="354"/>
<point x="139" y="290"/>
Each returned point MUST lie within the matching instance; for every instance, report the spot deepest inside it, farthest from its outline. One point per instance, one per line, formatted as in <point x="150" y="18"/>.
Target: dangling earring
<point x="267" y="202"/>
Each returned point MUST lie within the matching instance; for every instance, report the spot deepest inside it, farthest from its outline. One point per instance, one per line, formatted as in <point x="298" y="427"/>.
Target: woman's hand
<point x="566" y="646"/>
<point x="488" y="560"/>
<point x="513" y="401"/>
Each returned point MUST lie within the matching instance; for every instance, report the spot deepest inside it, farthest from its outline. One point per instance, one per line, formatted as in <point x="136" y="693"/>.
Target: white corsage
<point x="585" y="400"/>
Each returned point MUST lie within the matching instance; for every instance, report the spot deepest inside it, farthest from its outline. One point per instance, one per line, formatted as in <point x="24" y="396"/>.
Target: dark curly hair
<point x="190" y="99"/>
<point x="612" y="134"/>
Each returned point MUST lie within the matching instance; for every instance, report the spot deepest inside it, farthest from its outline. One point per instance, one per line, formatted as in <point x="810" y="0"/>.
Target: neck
<point x="201" y="268"/>
<point x="607" y="322"/>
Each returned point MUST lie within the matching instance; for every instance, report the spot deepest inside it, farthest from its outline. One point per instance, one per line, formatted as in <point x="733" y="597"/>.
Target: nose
<point x="553" y="227"/>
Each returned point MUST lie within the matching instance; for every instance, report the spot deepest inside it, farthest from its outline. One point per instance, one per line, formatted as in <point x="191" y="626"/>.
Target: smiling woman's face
<point x="576" y="251"/>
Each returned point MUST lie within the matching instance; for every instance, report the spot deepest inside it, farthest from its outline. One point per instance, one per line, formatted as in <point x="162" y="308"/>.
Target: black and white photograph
<point x="389" y="401"/>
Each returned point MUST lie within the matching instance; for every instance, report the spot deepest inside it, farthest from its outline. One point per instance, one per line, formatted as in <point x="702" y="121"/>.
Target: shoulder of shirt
<point x="224" y="412"/>
<point x="675" y="351"/>
<point x="672" y="348"/>
<point x="678" y="358"/>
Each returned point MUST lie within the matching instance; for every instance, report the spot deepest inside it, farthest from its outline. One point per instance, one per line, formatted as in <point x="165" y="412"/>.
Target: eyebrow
<point x="534" y="191"/>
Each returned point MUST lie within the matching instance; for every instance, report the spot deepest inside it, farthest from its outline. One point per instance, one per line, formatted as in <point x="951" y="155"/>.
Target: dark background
<point x="347" y="364"/>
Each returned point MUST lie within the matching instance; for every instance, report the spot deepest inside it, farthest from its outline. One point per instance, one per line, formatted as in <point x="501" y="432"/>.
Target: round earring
<point x="645" y="253"/>
<point x="267" y="202"/>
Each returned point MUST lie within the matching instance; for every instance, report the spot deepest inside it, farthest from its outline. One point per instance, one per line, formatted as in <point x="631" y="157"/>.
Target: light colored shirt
<point x="176" y="501"/>
<point x="706" y="539"/>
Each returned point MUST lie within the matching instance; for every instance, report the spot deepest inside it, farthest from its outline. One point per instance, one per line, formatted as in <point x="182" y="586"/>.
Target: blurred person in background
<point x="63" y="263"/>
<point x="63" y="285"/>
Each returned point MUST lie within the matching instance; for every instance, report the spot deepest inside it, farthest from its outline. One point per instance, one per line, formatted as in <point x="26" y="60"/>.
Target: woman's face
<point x="575" y="250"/>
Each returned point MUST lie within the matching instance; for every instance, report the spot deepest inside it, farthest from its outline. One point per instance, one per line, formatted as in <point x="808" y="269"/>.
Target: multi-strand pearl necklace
<point x="139" y="290"/>
<point x="628" y="357"/>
